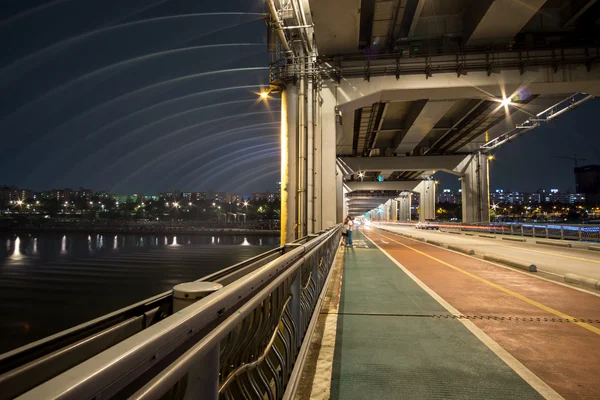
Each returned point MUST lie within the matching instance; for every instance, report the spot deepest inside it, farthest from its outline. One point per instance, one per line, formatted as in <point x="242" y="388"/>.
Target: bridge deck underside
<point x="398" y="339"/>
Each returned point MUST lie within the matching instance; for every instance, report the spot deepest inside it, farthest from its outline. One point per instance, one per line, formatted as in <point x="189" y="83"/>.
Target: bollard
<point x="203" y="380"/>
<point x="188" y="293"/>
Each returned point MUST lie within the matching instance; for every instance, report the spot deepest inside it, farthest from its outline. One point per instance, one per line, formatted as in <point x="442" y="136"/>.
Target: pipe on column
<point x="302" y="161"/>
<point x="279" y="27"/>
<point x="310" y="151"/>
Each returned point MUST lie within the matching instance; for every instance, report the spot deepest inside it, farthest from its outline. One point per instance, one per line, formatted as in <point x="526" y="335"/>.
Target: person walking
<point x="350" y="223"/>
<point x="345" y="232"/>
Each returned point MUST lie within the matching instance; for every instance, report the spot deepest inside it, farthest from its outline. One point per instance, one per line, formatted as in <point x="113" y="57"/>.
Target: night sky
<point x="139" y="96"/>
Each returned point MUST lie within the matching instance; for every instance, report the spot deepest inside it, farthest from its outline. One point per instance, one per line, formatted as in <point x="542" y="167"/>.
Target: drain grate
<point x="475" y="317"/>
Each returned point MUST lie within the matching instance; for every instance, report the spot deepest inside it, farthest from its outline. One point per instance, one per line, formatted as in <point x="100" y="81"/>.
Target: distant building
<point x="199" y="196"/>
<point x="532" y="198"/>
<point x="577" y="198"/>
<point x="587" y="181"/>
<point x="81" y="193"/>
<point x="173" y="195"/>
<point x="446" y="196"/>
<point x="497" y="196"/>
<point x="8" y="194"/>
<point x="515" y="198"/>
<point x="220" y="197"/>
<point x="266" y="196"/>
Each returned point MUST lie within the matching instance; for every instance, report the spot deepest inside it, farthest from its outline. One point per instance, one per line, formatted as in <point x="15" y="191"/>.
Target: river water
<point x="50" y="281"/>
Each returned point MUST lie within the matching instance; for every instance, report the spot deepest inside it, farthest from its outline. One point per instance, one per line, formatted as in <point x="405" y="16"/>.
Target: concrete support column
<point x="404" y="209"/>
<point x="475" y="185"/>
<point x="339" y="196"/>
<point x="289" y="156"/>
<point x="394" y="216"/>
<point x="388" y="210"/>
<point x="426" y="190"/>
<point x="331" y="177"/>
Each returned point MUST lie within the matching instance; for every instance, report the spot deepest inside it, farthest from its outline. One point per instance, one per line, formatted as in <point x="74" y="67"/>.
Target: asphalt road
<point x="556" y="260"/>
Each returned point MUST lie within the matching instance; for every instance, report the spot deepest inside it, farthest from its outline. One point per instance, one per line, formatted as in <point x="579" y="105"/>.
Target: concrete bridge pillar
<point x="404" y="208"/>
<point x="394" y="210"/>
<point x="330" y="179"/>
<point x="426" y="190"/>
<point x="475" y="185"/>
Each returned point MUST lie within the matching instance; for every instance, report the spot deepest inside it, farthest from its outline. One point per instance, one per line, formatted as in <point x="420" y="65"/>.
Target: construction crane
<point x="574" y="158"/>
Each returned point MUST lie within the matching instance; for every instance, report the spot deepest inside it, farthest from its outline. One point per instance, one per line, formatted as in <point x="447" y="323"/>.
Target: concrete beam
<point x="386" y="185"/>
<point x="499" y="20"/>
<point x="429" y="116"/>
<point x="354" y="93"/>
<point x="351" y="165"/>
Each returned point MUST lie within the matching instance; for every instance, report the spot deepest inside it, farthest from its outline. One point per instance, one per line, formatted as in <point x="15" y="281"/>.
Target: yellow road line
<point x="502" y="289"/>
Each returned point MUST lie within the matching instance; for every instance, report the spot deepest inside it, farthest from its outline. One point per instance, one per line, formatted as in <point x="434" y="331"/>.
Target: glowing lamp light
<point x="264" y="95"/>
<point x="506" y="101"/>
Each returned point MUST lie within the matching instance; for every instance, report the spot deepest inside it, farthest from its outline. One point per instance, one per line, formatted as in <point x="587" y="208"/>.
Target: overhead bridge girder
<point x="352" y="165"/>
<point x="355" y="93"/>
<point x="385" y="185"/>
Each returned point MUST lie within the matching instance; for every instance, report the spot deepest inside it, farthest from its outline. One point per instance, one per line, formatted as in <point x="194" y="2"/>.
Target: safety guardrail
<point x="537" y="230"/>
<point x="238" y="342"/>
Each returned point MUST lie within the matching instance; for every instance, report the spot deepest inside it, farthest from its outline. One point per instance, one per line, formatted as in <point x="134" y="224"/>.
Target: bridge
<point x="377" y="96"/>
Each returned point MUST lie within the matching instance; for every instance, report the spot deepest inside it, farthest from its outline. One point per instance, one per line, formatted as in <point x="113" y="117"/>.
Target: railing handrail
<point x="111" y="370"/>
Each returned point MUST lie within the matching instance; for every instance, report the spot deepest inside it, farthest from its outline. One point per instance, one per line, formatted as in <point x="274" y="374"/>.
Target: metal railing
<point x="240" y="342"/>
<point x="537" y="230"/>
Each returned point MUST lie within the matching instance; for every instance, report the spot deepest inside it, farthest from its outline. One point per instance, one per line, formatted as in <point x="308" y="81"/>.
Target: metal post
<point x="203" y="380"/>
<point x="533" y="230"/>
<point x="579" y="233"/>
<point x="302" y="160"/>
<point x="562" y="232"/>
<point x="295" y="308"/>
<point x="547" y="231"/>
<point x="310" y="151"/>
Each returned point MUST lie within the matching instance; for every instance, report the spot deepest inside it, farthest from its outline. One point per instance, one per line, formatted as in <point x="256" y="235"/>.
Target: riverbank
<point x="156" y="230"/>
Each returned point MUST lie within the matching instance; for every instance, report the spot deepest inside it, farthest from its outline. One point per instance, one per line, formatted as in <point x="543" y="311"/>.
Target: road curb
<point x="511" y="263"/>
<point x="514" y="239"/>
<point x="454" y="232"/>
<point x="461" y="250"/>
<point x="420" y="239"/>
<point x="488" y="236"/>
<point x="435" y="243"/>
<point x="594" y="248"/>
<point x="582" y="280"/>
<point x="556" y="244"/>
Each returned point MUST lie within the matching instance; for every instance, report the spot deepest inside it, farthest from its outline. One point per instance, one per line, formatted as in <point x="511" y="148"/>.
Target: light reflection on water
<point x="82" y="276"/>
<point x="16" y="255"/>
<point x="52" y="246"/>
